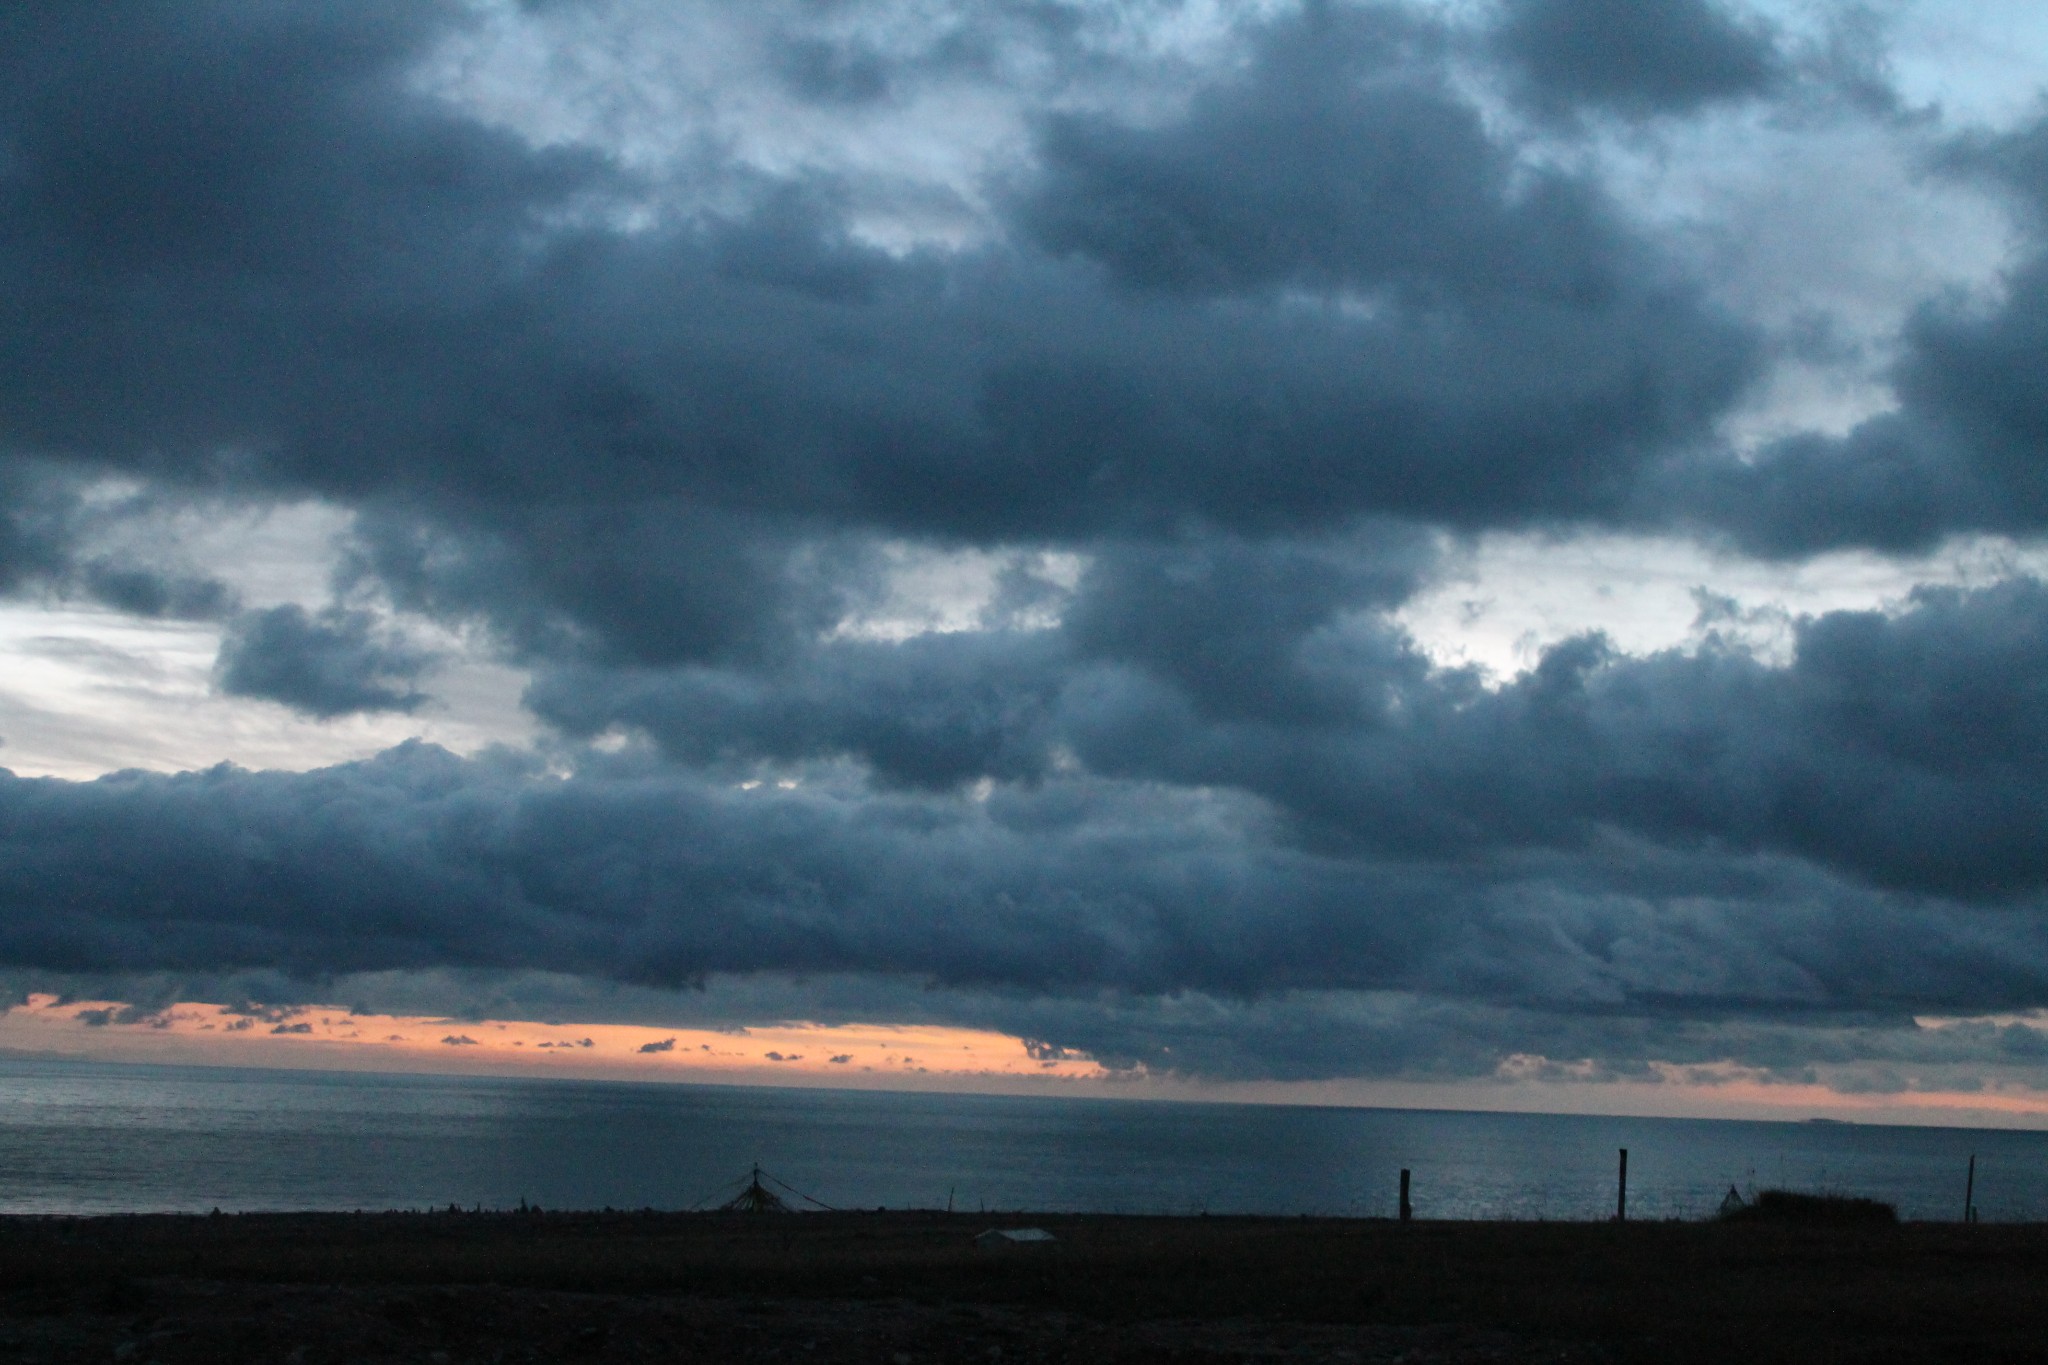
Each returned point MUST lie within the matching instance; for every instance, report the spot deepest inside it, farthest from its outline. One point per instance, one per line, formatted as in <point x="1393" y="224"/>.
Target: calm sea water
<point x="89" y="1138"/>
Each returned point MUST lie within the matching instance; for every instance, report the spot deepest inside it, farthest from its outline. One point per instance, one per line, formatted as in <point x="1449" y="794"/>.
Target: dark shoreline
<point x="896" y="1286"/>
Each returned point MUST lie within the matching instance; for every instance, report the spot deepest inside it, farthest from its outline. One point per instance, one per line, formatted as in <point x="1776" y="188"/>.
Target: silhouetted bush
<point x="1789" y="1206"/>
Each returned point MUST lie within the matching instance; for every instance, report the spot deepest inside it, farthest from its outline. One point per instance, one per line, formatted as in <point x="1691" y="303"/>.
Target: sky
<point x="1488" y="553"/>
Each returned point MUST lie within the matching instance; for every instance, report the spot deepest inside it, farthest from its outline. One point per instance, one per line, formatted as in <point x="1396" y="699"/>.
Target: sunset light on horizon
<point x="854" y="1056"/>
<point x="927" y="1058"/>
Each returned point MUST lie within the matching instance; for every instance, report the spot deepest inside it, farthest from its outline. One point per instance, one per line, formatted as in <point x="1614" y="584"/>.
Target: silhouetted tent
<point x="756" y="1197"/>
<point x="1014" y="1239"/>
<point x="1732" y="1202"/>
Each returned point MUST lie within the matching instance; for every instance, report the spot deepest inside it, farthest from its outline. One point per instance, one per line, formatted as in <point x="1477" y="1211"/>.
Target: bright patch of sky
<point x="928" y="591"/>
<point x="1976" y="61"/>
<point x="91" y="691"/>
<point x="1828" y="237"/>
<point x="1503" y="600"/>
<point x="86" y="690"/>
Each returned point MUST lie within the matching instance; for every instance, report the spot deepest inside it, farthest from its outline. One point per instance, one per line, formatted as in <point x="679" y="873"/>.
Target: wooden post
<point x="1970" y="1192"/>
<point x="1407" y="1212"/>
<point x="1621" y="1193"/>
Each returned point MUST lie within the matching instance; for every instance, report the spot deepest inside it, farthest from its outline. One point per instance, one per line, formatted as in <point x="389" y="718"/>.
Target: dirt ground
<point x="175" y="1322"/>
<point x="896" y="1288"/>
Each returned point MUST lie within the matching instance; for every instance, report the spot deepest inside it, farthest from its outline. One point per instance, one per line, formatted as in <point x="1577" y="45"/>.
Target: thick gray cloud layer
<point x="362" y="295"/>
<point x="1247" y="356"/>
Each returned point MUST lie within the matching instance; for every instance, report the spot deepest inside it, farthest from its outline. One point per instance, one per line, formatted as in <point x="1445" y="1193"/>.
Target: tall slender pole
<point x="1407" y="1212"/>
<point x="1970" y="1192"/>
<point x="1621" y="1192"/>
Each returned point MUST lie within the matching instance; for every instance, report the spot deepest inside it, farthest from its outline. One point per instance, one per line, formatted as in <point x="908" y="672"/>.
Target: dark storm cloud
<point x="1234" y="628"/>
<point x="627" y="581"/>
<point x="1619" y="56"/>
<point x="242" y="253"/>
<point x="932" y="712"/>
<point x="418" y="858"/>
<point x="1075" y="894"/>
<point x="330" y="664"/>
<point x="205" y="209"/>
<point x="143" y="590"/>
<point x="248" y="256"/>
<point x="1427" y="840"/>
<point x="1903" y="751"/>
<point x="1221" y="620"/>
<point x="1244" y="355"/>
<point x="1900" y="750"/>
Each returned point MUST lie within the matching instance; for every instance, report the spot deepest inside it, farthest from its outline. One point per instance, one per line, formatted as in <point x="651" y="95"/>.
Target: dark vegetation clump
<point x="1790" y="1206"/>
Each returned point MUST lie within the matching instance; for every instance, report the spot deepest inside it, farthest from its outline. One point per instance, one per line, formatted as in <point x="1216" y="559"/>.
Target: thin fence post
<point x="1621" y="1191"/>
<point x="1970" y="1192"/>
<point x="1407" y="1212"/>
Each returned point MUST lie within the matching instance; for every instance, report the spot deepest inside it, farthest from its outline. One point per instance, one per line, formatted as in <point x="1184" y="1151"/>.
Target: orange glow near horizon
<point x="794" y="1053"/>
<point x="921" y="1057"/>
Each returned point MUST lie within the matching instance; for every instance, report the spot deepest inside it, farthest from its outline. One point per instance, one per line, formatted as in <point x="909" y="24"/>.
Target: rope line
<point x="801" y="1195"/>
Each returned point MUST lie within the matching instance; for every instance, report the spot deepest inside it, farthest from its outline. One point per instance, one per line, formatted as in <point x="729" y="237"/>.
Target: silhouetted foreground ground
<point x="908" y="1287"/>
